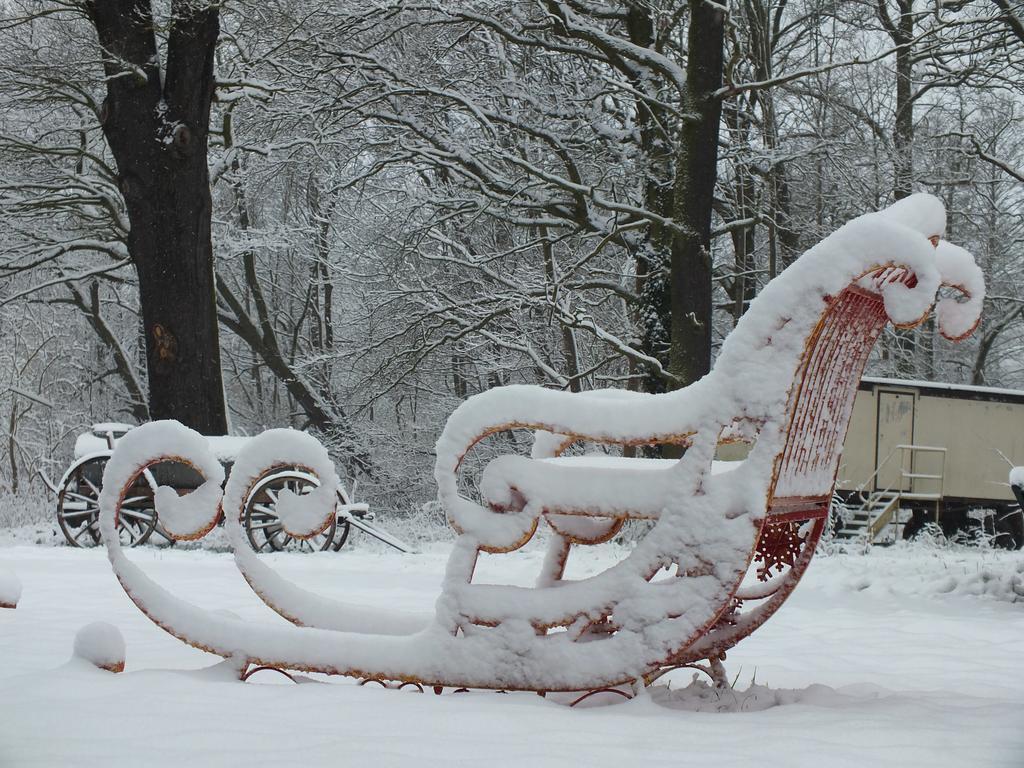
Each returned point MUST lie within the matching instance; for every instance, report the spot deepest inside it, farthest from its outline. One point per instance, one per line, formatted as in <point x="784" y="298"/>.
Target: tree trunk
<point x="903" y="171"/>
<point x="902" y="33"/>
<point x="12" y="444"/>
<point x="570" y="350"/>
<point x="157" y="130"/>
<point x="654" y="255"/>
<point x="696" y="172"/>
<point x="742" y="288"/>
<point x="763" y="23"/>
<point x="1013" y="21"/>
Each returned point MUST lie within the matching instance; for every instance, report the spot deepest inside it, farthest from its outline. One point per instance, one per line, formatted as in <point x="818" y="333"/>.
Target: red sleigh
<point x="724" y="550"/>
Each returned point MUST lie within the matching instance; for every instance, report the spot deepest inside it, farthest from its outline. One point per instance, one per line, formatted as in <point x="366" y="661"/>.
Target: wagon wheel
<point x="344" y="528"/>
<point x="262" y="525"/>
<point x="78" y="508"/>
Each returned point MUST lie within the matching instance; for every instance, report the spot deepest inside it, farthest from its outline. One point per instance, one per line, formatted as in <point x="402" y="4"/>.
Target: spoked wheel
<point x="344" y="528"/>
<point x="261" y="522"/>
<point x="78" y="509"/>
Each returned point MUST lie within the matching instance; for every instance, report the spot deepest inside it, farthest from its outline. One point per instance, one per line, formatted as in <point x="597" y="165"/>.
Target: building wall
<point x="973" y="431"/>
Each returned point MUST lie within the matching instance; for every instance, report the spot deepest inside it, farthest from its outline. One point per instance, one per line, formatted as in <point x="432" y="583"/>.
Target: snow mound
<point x="1004" y="584"/>
<point x="916" y="570"/>
<point x="700" y="696"/>
<point x="102" y="645"/>
<point x="10" y="589"/>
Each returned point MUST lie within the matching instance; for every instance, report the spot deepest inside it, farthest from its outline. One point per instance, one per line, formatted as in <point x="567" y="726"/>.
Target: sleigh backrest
<point x="821" y="400"/>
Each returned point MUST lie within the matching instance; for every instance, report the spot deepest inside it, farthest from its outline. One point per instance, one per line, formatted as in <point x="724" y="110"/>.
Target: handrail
<point x="880" y="523"/>
<point x="890" y="511"/>
<point x="859" y="490"/>
<point x="914" y="477"/>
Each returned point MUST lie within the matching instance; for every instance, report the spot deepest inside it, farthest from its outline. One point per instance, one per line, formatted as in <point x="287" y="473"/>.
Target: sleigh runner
<point x="725" y="550"/>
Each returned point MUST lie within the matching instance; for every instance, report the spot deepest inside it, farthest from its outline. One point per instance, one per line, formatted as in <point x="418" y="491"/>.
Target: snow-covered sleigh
<point x="724" y="551"/>
<point x="77" y="496"/>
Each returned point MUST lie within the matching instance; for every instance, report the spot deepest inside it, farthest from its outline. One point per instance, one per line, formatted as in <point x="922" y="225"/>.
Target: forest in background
<point x="417" y="201"/>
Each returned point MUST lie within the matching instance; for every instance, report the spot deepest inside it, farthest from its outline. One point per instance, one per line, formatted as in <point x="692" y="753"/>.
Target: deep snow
<point x="903" y="657"/>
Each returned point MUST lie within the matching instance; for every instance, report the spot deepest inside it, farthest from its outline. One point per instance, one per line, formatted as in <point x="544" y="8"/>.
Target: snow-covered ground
<point x="903" y="657"/>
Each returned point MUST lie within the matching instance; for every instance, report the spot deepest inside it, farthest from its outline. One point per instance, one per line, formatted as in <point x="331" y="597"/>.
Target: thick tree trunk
<point x="654" y="255"/>
<point x="157" y="130"/>
<point x="1011" y="18"/>
<point x="673" y="267"/>
<point x="903" y="135"/>
<point x="903" y="171"/>
<point x="904" y="343"/>
<point x="902" y="33"/>
<point x="696" y="173"/>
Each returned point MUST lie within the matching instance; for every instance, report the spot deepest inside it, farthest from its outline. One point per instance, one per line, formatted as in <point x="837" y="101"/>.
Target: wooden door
<point x="895" y="428"/>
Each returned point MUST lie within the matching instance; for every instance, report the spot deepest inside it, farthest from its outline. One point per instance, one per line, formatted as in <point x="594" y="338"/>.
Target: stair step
<point x="859" y="521"/>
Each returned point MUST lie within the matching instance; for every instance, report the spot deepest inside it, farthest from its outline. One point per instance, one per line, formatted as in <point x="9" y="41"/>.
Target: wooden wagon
<point x="77" y="494"/>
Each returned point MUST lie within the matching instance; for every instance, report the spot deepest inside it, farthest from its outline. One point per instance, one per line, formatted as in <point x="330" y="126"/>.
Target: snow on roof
<point x="922" y="384"/>
<point x="117" y="427"/>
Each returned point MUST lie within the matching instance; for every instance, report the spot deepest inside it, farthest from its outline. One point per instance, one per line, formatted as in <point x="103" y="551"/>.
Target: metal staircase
<point x="878" y="516"/>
